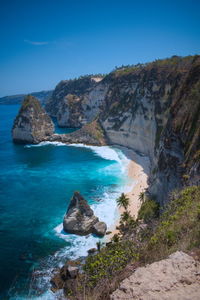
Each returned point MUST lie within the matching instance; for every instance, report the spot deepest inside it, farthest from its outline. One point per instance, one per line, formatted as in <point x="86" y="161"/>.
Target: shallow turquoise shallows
<point x="36" y="184"/>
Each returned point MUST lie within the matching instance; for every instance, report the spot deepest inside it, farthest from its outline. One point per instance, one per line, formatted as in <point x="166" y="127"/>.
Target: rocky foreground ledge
<point x="177" y="277"/>
<point x="80" y="219"/>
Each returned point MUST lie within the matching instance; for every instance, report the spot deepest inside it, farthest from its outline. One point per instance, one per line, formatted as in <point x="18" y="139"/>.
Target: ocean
<point x="36" y="185"/>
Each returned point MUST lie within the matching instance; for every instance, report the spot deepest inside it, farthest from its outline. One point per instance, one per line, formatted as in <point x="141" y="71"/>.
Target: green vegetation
<point x="126" y="225"/>
<point x="95" y="130"/>
<point x="178" y="228"/>
<point x="149" y="210"/>
<point x="29" y="101"/>
<point x="123" y="201"/>
<point x="110" y="260"/>
<point x="127" y="222"/>
<point x="142" y="197"/>
<point x="171" y="62"/>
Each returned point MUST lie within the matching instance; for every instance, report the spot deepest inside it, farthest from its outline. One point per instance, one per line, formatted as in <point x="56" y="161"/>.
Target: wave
<point x="106" y="152"/>
<point x="45" y="144"/>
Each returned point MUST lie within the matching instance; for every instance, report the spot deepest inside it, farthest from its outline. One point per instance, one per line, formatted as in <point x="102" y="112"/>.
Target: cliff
<point x="152" y="108"/>
<point x="76" y="102"/>
<point x="32" y="124"/>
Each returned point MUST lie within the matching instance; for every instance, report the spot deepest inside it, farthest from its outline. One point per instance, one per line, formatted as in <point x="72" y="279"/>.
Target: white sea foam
<point x="105" y="152"/>
<point x="106" y="210"/>
<point x="45" y="144"/>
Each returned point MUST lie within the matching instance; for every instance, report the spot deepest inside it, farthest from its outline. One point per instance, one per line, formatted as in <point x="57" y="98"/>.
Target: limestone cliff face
<point x="77" y="102"/>
<point x="155" y="109"/>
<point x="32" y="124"/>
<point x="152" y="108"/>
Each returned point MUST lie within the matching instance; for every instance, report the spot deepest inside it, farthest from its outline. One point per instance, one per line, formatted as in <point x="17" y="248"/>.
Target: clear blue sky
<point x="45" y="41"/>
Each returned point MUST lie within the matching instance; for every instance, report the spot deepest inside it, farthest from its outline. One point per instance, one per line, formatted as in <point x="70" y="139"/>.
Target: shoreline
<point x="138" y="171"/>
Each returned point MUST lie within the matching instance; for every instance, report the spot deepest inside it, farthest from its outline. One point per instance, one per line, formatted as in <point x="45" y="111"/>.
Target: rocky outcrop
<point x="32" y="124"/>
<point x="90" y="134"/>
<point x="177" y="277"/>
<point x="66" y="276"/>
<point x="80" y="219"/>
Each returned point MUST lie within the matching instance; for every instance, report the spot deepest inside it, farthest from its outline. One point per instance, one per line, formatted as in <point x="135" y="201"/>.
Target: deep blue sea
<point x="36" y="184"/>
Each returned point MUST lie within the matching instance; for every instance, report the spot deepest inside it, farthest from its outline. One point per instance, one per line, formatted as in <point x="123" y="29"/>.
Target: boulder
<point x="100" y="228"/>
<point x="32" y="124"/>
<point x="79" y="218"/>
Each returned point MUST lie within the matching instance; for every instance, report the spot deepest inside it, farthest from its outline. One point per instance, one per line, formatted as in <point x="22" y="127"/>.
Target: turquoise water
<point x="36" y="184"/>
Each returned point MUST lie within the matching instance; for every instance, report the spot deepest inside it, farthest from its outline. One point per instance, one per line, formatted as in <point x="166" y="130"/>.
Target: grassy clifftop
<point x="178" y="227"/>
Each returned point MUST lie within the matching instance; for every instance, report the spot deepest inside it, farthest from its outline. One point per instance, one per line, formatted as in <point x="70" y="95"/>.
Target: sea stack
<point x="80" y="219"/>
<point x="32" y="124"/>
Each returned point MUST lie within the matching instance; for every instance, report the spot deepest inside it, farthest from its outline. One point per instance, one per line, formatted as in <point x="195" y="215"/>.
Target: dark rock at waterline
<point x="65" y="276"/>
<point x="80" y="219"/>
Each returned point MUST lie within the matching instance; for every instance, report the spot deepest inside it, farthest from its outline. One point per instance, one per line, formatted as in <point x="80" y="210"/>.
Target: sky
<point x="45" y="41"/>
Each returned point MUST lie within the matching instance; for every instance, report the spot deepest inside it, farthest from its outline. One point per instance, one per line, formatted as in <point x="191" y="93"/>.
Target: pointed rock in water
<point x="32" y="124"/>
<point x="80" y="219"/>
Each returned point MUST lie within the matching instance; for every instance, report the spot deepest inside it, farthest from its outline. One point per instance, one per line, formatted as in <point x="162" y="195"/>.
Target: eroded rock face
<point x="78" y="101"/>
<point x="177" y="277"/>
<point x="80" y="219"/>
<point x="32" y="124"/>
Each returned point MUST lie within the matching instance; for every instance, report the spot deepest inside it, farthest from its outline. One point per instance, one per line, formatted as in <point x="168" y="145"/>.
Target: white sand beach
<point x="138" y="170"/>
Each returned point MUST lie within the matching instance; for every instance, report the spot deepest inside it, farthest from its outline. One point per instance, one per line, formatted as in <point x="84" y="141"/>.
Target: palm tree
<point x="115" y="238"/>
<point x="98" y="245"/>
<point x="142" y="197"/>
<point x="125" y="216"/>
<point x="123" y="201"/>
